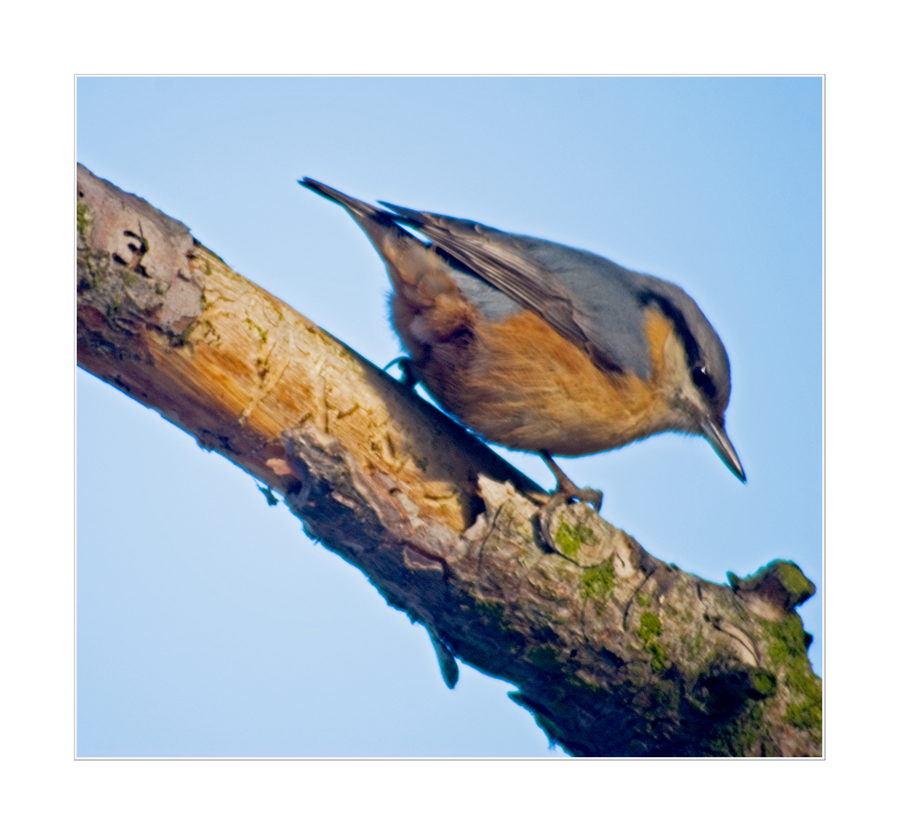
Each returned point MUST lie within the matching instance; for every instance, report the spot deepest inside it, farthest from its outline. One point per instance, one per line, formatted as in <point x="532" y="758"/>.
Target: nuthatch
<point x="544" y="348"/>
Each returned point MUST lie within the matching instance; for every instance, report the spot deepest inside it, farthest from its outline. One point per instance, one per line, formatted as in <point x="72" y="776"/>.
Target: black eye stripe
<point x="703" y="381"/>
<point x="699" y="373"/>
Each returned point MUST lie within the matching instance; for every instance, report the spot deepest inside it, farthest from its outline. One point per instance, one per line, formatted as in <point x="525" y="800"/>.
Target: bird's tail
<point x="380" y="226"/>
<point x="357" y="208"/>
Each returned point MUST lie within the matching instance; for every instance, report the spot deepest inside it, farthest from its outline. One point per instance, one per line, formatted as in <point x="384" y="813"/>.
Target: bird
<point x="544" y="348"/>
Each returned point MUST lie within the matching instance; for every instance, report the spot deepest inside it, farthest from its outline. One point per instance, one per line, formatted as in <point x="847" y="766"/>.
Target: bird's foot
<point x="407" y="372"/>
<point x="562" y="496"/>
<point x="564" y="493"/>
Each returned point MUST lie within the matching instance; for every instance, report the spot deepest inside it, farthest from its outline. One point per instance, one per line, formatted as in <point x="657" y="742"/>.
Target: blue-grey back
<point x="602" y="301"/>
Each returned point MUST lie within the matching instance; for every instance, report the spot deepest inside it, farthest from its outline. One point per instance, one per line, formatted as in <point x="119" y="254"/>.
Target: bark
<point x="614" y="652"/>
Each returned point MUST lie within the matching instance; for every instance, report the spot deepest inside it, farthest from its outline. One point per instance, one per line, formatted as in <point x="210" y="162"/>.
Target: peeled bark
<point x="613" y="651"/>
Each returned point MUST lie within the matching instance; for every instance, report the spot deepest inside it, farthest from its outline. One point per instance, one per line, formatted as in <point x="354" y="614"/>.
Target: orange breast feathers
<point x="518" y="382"/>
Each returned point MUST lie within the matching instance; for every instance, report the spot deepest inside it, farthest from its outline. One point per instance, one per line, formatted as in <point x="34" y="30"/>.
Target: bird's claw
<point x="562" y="497"/>
<point x="407" y="373"/>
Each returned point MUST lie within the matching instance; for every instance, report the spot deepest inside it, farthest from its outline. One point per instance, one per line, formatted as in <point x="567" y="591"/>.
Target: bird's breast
<point x="520" y="384"/>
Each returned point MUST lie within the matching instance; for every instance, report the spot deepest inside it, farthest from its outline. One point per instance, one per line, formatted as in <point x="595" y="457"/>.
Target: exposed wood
<point x="613" y="651"/>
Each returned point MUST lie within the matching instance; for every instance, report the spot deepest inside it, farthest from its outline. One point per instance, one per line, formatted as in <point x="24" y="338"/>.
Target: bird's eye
<point x="701" y="378"/>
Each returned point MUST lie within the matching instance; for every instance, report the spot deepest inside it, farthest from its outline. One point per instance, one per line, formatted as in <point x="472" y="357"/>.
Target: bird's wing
<point x="590" y="301"/>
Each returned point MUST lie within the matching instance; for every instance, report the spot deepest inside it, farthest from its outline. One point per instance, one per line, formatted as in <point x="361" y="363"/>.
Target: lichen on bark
<point x="613" y="651"/>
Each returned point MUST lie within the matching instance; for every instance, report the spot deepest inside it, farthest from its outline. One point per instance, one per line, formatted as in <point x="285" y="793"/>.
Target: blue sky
<point x="219" y="629"/>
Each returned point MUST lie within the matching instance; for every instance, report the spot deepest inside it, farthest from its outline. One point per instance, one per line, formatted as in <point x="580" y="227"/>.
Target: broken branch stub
<point x="612" y="650"/>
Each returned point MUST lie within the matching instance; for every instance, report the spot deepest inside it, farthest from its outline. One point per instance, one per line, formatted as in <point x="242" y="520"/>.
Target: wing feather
<point x="497" y="257"/>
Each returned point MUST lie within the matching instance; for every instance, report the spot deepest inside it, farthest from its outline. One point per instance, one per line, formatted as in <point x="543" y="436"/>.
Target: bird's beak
<point x="715" y="434"/>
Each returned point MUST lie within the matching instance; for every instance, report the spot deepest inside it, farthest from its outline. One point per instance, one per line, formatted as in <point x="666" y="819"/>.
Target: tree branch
<point x="613" y="651"/>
